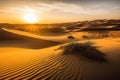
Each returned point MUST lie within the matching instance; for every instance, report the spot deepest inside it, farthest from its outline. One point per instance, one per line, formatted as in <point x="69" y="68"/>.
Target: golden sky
<point x="55" y="11"/>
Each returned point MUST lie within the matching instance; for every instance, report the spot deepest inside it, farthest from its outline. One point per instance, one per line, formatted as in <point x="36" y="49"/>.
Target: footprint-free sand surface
<point x="28" y="61"/>
<point x="23" y="39"/>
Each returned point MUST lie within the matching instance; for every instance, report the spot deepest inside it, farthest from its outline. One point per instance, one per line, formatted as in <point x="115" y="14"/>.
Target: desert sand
<point x="31" y="57"/>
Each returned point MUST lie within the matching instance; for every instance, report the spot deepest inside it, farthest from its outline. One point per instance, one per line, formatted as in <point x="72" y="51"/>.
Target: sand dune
<point x="61" y="39"/>
<point x="50" y="64"/>
<point x="10" y="39"/>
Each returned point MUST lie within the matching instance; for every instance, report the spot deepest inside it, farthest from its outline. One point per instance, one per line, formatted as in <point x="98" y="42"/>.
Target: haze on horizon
<point x="55" y="11"/>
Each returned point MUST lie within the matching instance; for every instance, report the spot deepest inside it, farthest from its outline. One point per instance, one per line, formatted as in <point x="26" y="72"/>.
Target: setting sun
<point x="31" y="18"/>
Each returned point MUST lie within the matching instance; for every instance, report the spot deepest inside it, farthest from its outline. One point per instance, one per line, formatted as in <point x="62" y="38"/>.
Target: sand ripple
<point x="55" y="66"/>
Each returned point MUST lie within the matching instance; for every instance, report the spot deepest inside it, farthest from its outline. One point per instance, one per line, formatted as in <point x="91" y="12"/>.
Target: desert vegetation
<point x="84" y="49"/>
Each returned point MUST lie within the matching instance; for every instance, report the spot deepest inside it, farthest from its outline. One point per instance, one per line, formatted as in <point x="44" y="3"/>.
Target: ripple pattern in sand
<point x="54" y="67"/>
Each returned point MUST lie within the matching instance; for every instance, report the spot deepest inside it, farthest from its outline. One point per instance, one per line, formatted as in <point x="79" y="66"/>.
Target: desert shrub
<point x="71" y="37"/>
<point x="84" y="49"/>
<point x="84" y="36"/>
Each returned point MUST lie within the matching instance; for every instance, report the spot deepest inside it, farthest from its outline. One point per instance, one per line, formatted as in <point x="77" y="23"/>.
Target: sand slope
<point x="10" y="39"/>
<point x="50" y="64"/>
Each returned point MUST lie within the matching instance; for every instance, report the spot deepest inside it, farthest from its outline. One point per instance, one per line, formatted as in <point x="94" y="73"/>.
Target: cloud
<point x="61" y="9"/>
<point x="70" y="8"/>
<point x="75" y="9"/>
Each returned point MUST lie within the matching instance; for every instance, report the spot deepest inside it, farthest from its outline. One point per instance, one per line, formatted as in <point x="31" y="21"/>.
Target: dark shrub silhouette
<point x="84" y="36"/>
<point x="85" y="50"/>
<point x="71" y="37"/>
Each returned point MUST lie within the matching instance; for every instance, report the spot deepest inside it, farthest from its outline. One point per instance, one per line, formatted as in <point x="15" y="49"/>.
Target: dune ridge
<point x="23" y="41"/>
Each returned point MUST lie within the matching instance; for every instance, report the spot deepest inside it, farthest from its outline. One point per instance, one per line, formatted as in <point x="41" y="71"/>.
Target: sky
<point x="58" y="11"/>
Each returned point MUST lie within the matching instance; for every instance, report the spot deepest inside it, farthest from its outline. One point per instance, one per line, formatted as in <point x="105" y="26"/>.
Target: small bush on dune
<point x="84" y="36"/>
<point x="84" y="49"/>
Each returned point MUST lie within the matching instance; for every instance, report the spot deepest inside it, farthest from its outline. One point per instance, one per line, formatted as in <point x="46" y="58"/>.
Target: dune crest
<point x="9" y="39"/>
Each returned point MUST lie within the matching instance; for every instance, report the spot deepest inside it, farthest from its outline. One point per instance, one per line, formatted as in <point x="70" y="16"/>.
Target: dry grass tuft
<point x="84" y="49"/>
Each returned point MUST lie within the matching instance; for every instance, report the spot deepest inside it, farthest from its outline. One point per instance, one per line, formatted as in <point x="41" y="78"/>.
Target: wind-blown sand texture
<point x="17" y="63"/>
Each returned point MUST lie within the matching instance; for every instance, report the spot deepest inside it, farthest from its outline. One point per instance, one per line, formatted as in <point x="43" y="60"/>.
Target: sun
<point x="31" y="18"/>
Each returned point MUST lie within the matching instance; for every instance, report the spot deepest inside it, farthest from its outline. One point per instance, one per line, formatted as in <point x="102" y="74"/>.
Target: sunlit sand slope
<point x="50" y="64"/>
<point x="61" y="39"/>
<point x="9" y="39"/>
